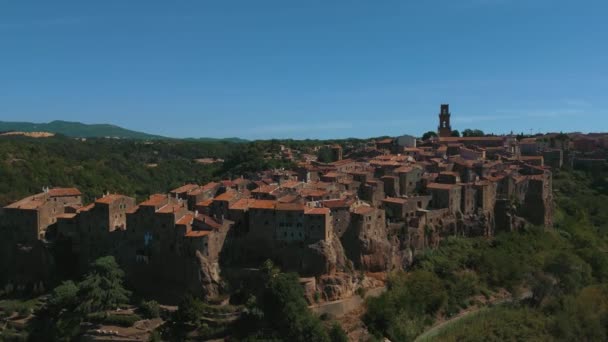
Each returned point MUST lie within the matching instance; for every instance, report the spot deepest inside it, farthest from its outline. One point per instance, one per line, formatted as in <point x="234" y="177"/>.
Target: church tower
<point x="444" y="129"/>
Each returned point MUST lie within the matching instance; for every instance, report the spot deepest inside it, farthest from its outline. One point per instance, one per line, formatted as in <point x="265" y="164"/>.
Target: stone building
<point x="410" y="179"/>
<point x="445" y="196"/>
<point x="27" y="220"/>
<point x="100" y="225"/>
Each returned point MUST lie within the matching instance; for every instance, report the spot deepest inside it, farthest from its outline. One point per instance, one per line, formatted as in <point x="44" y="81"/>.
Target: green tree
<point x="337" y="334"/>
<point x="472" y="133"/>
<point x="429" y="135"/>
<point x="455" y="133"/>
<point x="102" y="288"/>
<point x="190" y="310"/>
<point x="150" y="309"/>
<point x="286" y="310"/>
<point x="571" y="271"/>
<point x="324" y="155"/>
<point x="64" y="296"/>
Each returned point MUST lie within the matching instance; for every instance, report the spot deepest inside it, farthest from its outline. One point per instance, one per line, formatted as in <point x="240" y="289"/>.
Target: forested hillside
<point x="132" y="167"/>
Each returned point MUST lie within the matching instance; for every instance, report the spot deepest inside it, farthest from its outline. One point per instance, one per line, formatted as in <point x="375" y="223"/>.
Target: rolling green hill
<point x="76" y="129"/>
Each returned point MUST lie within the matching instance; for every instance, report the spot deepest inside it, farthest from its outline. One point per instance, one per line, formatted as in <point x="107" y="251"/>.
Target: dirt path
<point x="436" y="329"/>
<point x="342" y="307"/>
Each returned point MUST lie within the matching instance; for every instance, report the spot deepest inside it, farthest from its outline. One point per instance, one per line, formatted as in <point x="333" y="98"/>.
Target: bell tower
<point x="444" y="129"/>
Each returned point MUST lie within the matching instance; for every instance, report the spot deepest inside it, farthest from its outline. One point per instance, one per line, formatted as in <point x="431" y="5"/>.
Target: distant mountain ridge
<point x="81" y="130"/>
<point x="77" y="129"/>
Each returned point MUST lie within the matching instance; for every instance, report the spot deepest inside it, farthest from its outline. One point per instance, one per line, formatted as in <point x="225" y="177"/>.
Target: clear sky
<point x="306" y="68"/>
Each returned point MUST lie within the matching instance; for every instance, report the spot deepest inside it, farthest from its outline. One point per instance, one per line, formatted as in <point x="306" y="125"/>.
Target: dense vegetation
<point x="274" y="310"/>
<point x="561" y="274"/>
<point x="136" y="168"/>
<point x="71" y="303"/>
<point x="132" y="167"/>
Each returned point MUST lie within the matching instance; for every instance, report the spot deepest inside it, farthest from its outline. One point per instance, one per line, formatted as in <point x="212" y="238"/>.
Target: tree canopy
<point x="472" y="133"/>
<point x="428" y="135"/>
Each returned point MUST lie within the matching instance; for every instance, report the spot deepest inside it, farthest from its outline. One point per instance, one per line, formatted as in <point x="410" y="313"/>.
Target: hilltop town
<point x="368" y="211"/>
<point x="343" y="216"/>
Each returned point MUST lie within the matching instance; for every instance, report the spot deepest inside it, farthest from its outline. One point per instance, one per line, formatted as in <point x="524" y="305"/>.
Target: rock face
<point x="209" y="275"/>
<point x="337" y="285"/>
<point x="27" y="265"/>
<point x="366" y="242"/>
<point x="325" y="257"/>
<point x="477" y="224"/>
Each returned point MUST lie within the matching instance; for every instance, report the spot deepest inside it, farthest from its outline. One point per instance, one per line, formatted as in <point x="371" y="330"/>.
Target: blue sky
<point x="306" y="69"/>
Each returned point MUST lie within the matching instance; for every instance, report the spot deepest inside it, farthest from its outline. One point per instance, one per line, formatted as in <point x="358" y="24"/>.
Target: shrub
<point x="325" y="316"/>
<point x="150" y="309"/>
<point x="337" y="334"/>
<point x="122" y="320"/>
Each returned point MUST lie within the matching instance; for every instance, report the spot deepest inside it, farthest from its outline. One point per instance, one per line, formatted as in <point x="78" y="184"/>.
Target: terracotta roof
<point x="385" y="157"/>
<point x="185" y="188"/>
<point x="209" y="186"/>
<point x="384" y="163"/>
<point x="313" y="193"/>
<point x="61" y="192"/>
<point x="266" y="189"/>
<point x="317" y="211"/>
<point x="288" y="198"/>
<point x="289" y="206"/>
<point x="66" y="216"/>
<point x="441" y="186"/>
<point x="470" y="139"/>
<point x="241" y="181"/>
<point x="363" y="210"/>
<point x="337" y="203"/>
<point x="226" y="196"/>
<point x="132" y="210"/>
<point x="107" y="199"/>
<point x="169" y="208"/>
<point x="154" y="200"/>
<point x="227" y="183"/>
<point x="332" y="174"/>
<point x="396" y="200"/>
<point x="205" y="203"/>
<point x="28" y="203"/>
<point x="185" y="220"/>
<point x="290" y="184"/>
<point x="241" y="204"/>
<point x="404" y="169"/>
<point x="209" y="221"/>
<point x="86" y="207"/>
<point x="342" y="162"/>
<point x="262" y="204"/>
<point x="197" y="233"/>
